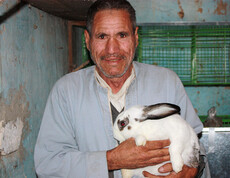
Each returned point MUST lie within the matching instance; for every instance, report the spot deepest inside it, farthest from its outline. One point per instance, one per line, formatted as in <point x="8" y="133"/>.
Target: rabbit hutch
<point x="40" y="41"/>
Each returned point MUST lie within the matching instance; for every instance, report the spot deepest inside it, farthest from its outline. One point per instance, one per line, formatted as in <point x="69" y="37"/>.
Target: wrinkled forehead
<point x="112" y="18"/>
<point x="114" y="12"/>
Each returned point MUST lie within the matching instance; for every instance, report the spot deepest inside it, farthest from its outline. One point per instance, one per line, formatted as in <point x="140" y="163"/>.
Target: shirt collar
<point x="118" y="99"/>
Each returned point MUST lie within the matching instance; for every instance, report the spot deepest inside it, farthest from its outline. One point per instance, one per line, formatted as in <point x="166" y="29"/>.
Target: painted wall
<point x="203" y="98"/>
<point x="33" y="55"/>
<point x="190" y="11"/>
<point x="157" y="11"/>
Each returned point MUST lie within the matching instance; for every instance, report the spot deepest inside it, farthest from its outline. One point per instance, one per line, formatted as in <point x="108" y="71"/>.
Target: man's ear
<point x="136" y="36"/>
<point x="87" y="39"/>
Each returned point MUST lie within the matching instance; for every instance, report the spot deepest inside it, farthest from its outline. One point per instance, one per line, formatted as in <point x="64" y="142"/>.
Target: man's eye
<point x="101" y="36"/>
<point x="123" y="35"/>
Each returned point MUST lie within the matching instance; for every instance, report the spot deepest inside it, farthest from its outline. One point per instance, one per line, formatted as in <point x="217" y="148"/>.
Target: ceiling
<point x="75" y="10"/>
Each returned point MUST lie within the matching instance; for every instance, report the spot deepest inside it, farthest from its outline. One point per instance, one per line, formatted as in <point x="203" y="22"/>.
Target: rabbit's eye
<point x="122" y="124"/>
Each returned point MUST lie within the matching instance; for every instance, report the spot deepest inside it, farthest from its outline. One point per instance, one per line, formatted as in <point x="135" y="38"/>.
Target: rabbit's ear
<point x="160" y="111"/>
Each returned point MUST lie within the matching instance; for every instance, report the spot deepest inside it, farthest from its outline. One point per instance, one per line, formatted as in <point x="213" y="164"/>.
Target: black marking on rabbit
<point x="174" y="109"/>
<point x="123" y="123"/>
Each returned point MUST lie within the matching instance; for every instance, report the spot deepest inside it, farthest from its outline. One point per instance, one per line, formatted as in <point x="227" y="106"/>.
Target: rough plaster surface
<point x="13" y="112"/>
<point x="11" y="136"/>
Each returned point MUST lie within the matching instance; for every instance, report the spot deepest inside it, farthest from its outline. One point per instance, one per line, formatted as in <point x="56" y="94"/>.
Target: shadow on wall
<point x="12" y="11"/>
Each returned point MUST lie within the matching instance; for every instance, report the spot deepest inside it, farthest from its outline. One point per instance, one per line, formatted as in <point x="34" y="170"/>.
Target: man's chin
<point x="114" y="72"/>
<point x="109" y="75"/>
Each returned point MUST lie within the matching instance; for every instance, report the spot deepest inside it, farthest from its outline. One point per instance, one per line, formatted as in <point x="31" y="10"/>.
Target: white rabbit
<point x="158" y="122"/>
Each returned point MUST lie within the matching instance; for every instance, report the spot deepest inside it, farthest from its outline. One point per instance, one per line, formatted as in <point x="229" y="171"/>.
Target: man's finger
<point x="157" y="144"/>
<point x="166" y="168"/>
<point x="158" y="160"/>
<point x="147" y="174"/>
<point x="159" y="152"/>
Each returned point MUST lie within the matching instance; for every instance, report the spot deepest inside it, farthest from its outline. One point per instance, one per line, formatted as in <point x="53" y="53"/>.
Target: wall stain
<point x="35" y="26"/>
<point x="199" y="6"/>
<point x="40" y="16"/>
<point x="15" y="106"/>
<point x="221" y="8"/>
<point x="200" y="10"/>
<point x="181" y="13"/>
<point x="3" y="29"/>
<point x="1" y="2"/>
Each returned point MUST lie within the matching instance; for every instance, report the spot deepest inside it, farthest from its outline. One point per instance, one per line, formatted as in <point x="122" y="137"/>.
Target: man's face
<point x="112" y="42"/>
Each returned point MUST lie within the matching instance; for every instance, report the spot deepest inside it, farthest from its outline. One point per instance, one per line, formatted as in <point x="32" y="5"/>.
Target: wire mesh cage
<point x="200" y="55"/>
<point x="225" y="120"/>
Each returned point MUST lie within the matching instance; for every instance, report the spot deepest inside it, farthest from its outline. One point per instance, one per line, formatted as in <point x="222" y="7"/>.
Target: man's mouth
<point x="113" y="58"/>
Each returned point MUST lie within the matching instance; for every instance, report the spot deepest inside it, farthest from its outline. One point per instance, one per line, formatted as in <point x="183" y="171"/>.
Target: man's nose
<point x="112" y="46"/>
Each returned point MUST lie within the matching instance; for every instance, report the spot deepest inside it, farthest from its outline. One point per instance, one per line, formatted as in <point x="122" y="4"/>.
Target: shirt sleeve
<point x="56" y="151"/>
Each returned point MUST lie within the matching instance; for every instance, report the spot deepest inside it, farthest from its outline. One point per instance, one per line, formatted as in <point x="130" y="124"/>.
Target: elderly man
<point x="76" y="136"/>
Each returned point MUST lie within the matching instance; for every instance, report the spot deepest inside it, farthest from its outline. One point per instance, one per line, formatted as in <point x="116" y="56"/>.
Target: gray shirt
<point x="76" y="128"/>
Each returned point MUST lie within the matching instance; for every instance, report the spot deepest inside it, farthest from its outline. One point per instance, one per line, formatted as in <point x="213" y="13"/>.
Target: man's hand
<point x="129" y="156"/>
<point x="187" y="172"/>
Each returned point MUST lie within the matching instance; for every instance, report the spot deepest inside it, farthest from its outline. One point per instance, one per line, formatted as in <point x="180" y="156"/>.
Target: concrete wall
<point x="33" y="55"/>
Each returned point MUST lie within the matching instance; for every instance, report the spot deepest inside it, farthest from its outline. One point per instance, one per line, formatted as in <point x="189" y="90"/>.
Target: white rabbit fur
<point x="135" y="122"/>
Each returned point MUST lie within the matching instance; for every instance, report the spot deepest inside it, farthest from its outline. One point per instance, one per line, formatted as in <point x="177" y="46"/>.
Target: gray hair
<point x="100" y="5"/>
